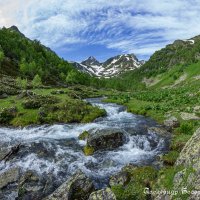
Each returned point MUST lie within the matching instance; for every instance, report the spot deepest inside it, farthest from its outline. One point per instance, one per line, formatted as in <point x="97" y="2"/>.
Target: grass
<point x="170" y="158"/>
<point x="140" y="178"/>
<point x="42" y="109"/>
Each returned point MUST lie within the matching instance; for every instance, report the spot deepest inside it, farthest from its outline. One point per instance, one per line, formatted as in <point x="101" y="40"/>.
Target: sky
<point x="77" y="29"/>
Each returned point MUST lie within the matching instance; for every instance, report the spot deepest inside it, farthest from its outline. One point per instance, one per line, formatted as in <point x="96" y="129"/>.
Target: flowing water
<point x="55" y="150"/>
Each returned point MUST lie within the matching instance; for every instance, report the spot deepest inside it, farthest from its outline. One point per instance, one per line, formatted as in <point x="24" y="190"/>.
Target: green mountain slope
<point x="165" y="67"/>
<point x="20" y="56"/>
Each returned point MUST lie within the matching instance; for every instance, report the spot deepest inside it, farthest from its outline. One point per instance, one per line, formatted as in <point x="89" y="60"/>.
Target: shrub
<point x="187" y="128"/>
<point x="7" y="114"/>
<point x="37" y="81"/>
<point x="170" y="158"/>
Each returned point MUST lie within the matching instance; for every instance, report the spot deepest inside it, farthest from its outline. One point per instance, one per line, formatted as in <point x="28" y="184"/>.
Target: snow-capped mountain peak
<point x="91" y="61"/>
<point x="111" y="67"/>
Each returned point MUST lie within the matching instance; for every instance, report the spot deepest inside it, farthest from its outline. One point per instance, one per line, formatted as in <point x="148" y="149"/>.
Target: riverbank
<point x="177" y="108"/>
<point x="49" y="106"/>
<point x="56" y="152"/>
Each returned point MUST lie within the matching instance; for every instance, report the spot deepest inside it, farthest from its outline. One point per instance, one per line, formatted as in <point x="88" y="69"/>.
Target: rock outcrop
<point x="104" y="194"/>
<point x="172" y="122"/>
<point x="10" y="176"/>
<point x="77" y="187"/>
<point x="189" y="177"/>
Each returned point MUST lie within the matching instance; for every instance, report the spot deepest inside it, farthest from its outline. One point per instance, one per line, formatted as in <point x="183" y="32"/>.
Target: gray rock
<point x="26" y="93"/>
<point x="30" y="186"/>
<point x="104" y="194"/>
<point x="189" y="116"/>
<point x="119" y="179"/>
<point x="106" y="139"/>
<point x="77" y="187"/>
<point x="10" y="176"/>
<point x="172" y="122"/>
<point x="3" y="153"/>
<point x="3" y="96"/>
<point x="58" y="92"/>
<point x="189" y="176"/>
<point x="191" y="152"/>
<point x="159" y="130"/>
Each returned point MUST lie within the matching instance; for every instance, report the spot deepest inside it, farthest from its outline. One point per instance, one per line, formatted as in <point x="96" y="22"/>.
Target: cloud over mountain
<point x="128" y="26"/>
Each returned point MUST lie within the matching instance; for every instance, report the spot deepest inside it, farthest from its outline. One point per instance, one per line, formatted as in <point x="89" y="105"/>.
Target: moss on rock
<point x="88" y="151"/>
<point x="84" y="135"/>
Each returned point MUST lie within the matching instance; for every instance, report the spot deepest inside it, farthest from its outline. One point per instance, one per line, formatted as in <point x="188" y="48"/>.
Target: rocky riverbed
<point x="50" y="158"/>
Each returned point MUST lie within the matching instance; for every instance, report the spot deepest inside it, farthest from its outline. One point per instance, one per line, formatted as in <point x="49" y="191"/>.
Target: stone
<point x="196" y="108"/>
<point x="26" y="93"/>
<point x="3" y="96"/>
<point x="159" y="130"/>
<point x="189" y="116"/>
<point x="172" y="122"/>
<point x="79" y="186"/>
<point x="3" y="153"/>
<point x="104" y="194"/>
<point x="119" y="179"/>
<point x="106" y="139"/>
<point x="189" y="176"/>
<point x="191" y="151"/>
<point x="58" y="92"/>
<point x="9" y="176"/>
<point x="30" y="186"/>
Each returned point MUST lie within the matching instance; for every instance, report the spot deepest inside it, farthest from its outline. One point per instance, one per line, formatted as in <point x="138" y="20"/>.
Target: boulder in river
<point x="159" y="130"/>
<point x="79" y="186"/>
<point x="104" y="194"/>
<point x="30" y="186"/>
<point x="106" y="139"/>
<point x="10" y="176"/>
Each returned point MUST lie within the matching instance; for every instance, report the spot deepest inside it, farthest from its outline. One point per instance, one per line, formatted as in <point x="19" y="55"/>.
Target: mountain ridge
<point x="113" y="66"/>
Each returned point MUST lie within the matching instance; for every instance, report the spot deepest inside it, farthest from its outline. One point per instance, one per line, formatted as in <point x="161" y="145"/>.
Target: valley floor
<point x="177" y="107"/>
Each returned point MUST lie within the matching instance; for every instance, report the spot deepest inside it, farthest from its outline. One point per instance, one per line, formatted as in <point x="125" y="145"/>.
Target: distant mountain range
<point x="112" y="67"/>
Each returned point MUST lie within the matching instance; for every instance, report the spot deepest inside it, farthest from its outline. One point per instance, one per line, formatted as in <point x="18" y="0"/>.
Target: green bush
<point x="170" y="158"/>
<point x="140" y="178"/>
<point x="37" y="81"/>
<point x="7" y="114"/>
<point x="187" y="128"/>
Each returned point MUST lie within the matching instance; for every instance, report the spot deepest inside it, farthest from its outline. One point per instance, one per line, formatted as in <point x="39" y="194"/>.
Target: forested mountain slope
<point x="20" y="56"/>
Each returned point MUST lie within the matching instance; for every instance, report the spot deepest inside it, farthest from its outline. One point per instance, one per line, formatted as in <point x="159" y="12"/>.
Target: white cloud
<point x="136" y="26"/>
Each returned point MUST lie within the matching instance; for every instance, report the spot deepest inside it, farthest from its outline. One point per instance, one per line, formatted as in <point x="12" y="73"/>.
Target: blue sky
<point x="101" y="28"/>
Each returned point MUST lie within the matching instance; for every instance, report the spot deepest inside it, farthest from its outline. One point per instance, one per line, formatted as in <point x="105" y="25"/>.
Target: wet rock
<point x="10" y="176"/>
<point x="30" y="186"/>
<point x="104" y="194"/>
<point x="119" y="179"/>
<point x="84" y="135"/>
<point x="3" y="153"/>
<point x="106" y="139"/>
<point x="172" y="122"/>
<point x="159" y="130"/>
<point x="77" y="187"/>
